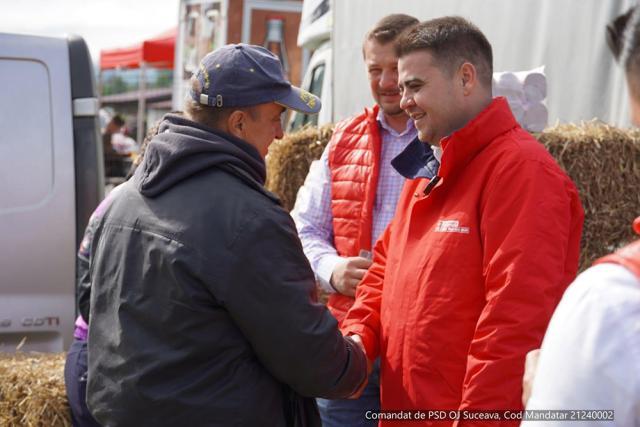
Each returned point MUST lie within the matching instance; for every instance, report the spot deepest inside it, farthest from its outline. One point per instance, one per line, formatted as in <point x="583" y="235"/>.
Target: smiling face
<point x="431" y="97"/>
<point x="382" y="70"/>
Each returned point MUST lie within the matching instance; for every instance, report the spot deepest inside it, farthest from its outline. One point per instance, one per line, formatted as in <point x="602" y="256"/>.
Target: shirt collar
<point x="385" y="125"/>
<point x="417" y="160"/>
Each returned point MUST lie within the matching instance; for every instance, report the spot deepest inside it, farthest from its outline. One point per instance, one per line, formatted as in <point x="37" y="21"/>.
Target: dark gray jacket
<point x="202" y="310"/>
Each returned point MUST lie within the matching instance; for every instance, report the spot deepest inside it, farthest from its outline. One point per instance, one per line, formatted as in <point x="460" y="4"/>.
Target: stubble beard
<point x="392" y="110"/>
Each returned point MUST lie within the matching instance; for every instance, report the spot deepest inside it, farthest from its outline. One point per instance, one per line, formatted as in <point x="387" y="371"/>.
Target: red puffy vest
<point x="354" y="158"/>
<point x="628" y="256"/>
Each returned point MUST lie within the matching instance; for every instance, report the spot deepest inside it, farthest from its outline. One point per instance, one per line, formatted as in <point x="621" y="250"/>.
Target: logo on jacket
<point x="450" y="226"/>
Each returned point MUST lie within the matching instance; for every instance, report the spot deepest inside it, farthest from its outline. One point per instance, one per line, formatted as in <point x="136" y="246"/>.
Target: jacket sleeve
<point x="83" y="276"/>
<point x="270" y="297"/>
<point x="531" y="221"/>
<point x="314" y="221"/>
<point x="363" y="318"/>
<point x="83" y="286"/>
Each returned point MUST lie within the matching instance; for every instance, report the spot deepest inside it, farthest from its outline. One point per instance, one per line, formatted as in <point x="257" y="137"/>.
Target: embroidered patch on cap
<point x="205" y="75"/>
<point x="307" y="98"/>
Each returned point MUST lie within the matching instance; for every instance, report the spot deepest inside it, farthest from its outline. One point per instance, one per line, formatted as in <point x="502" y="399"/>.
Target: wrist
<point x="325" y="269"/>
<point x="367" y="342"/>
<point x="332" y="284"/>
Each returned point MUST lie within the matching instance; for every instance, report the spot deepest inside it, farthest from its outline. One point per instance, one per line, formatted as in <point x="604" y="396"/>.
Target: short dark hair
<point x="390" y="27"/>
<point x="623" y="38"/>
<point x="452" y="40"/>
<point x="118" y="120"/>
<point x="209" y="116"/>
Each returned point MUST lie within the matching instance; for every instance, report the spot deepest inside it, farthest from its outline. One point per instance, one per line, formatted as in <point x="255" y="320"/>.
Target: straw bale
<point x="32" y="392"/>
<point x="289" y="160"/>
<point x="604" y="163"/>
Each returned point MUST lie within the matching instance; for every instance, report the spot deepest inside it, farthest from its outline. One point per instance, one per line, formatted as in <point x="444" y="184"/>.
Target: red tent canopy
<point x="157" y="51"/>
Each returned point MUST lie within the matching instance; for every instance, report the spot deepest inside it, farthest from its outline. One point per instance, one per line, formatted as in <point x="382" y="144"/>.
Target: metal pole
<point x="99" y="85"/>
<point x="142" y="86"/>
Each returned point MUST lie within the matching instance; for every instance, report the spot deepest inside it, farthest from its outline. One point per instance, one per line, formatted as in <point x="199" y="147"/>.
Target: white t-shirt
<point x="590" y="357"/>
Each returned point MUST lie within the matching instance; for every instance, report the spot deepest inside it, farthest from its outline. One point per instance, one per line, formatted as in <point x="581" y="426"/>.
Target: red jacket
<point x="465" y="279"/>
<point x="354" y="162"/>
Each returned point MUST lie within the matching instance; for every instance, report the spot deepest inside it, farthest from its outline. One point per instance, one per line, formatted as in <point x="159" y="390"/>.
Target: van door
<point x="42" y="210"/>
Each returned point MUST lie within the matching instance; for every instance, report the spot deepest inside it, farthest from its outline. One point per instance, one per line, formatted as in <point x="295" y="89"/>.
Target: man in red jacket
<point x="466" y="276"/>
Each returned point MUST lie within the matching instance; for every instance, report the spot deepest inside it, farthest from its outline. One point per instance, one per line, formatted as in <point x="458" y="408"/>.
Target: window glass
<point x="26" y="163"/>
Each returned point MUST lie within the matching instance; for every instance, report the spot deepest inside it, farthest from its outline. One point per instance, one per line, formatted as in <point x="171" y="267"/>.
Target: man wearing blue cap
<point x="202" y="311"/>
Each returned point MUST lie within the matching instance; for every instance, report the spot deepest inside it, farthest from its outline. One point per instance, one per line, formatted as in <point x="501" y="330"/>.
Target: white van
<point x="51" y="179"/>
<point x="318" y="81"/>
<point x="314" y="36"/>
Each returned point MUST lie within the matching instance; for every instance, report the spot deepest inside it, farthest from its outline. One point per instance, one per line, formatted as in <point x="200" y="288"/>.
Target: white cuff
<point x="326" y="265"/>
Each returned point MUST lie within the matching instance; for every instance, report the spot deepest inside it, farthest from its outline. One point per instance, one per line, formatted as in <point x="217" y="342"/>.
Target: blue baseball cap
<point x="242" y="75"/>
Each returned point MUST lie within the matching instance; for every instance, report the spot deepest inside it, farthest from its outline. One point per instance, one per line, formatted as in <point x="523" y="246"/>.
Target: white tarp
<point x="565" y="36"/>
<point x="526" y="92"/>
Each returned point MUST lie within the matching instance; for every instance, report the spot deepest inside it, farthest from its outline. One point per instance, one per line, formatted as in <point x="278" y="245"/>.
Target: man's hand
<point x="348" y="273"/>
<point x="358" y="393"/>
<point x="530" y="366"/>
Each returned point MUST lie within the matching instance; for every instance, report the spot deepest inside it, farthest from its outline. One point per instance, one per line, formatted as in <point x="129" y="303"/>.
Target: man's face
<point x="263" y="126"/>
<point x="382" y="69"/>
<point x="430" y="96"/>
<point x="112" y="127"/>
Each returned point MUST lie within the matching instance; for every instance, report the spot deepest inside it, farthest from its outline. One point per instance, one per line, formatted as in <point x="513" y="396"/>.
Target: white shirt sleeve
<point x="590" y="357"/>
<point x="314" y="221"/>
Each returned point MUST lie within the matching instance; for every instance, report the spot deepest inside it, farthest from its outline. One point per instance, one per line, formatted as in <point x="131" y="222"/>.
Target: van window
<point x="317" y="79"/>
<point x="25" y="134"/>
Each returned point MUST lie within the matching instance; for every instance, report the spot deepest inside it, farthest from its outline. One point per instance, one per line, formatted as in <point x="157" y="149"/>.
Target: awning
<point x="157" y="52"/>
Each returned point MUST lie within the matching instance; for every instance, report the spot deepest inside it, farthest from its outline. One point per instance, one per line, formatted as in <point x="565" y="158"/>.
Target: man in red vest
<point x="590" y="357"/>
<point x="350" y="195"/>
<point x="466" y="276"/>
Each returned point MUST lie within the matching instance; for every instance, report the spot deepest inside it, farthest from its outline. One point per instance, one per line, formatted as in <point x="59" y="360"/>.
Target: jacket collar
<point x="183" y="148"/>
<point x="372" y="113"/>
<point x="461" y="146"/>
<point x="416" y="161"/>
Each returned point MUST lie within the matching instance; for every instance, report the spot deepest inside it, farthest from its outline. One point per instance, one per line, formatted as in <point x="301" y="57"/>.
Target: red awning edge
<point x="157" y="52"/>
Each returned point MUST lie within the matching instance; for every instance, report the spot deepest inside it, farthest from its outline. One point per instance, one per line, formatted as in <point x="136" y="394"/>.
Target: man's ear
<point x="236" y="123"/>
<point x="468" y="77"/>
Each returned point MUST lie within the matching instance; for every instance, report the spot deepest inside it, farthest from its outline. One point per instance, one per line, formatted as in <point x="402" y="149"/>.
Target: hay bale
<point x="602" y="160"/>
<point x="604" y="163"/>
<point x="32" y="392"/>
<point x="289" y="160"/>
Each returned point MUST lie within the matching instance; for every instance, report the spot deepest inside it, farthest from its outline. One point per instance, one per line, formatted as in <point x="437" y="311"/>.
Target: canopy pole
<point x="142" y="87"/>
<point x="99" y="84"/>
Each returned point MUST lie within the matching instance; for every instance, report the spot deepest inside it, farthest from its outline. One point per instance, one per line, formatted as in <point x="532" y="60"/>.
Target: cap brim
<point x="301" y="100"/>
